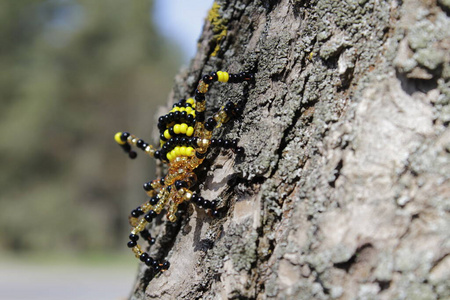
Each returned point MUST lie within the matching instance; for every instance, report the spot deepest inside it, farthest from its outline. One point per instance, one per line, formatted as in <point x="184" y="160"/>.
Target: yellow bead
<point x="188" y="109"/>
<point x="183" y="109"/>
<point x="190" y="101"/>
<point x="169" y="156"/>
<point x="176" y="128"/>
<point x="225" y="77"/>
<point x="117" y="138"/>
<point x="177" y="151"/>
<point x="167" y="134"/>
<point x="189" y="151"/>
<point x="183" y="128"/>
<point x="190" y="131"/>
<point x="176" y="108"/>
<point x="183" y="150"/>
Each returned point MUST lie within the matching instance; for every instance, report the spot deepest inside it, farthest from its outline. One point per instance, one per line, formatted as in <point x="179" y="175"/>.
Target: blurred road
<point x="41" y="282"/>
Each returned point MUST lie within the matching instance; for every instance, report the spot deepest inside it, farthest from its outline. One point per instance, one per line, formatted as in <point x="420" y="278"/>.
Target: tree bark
<point x="344" y="191"/>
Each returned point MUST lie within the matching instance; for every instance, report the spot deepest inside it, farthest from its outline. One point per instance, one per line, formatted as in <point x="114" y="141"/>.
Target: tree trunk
<point x="344" y="191"/>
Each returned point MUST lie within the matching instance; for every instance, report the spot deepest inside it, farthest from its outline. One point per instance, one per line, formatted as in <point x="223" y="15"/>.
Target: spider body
<point x="185" y="138"/>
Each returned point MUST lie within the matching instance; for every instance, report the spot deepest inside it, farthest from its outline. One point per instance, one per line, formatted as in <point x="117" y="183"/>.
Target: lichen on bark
<point x="344" y="191"/>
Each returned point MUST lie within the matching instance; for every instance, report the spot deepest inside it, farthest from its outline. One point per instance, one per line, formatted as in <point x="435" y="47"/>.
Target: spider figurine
<point x="185" y="138"/>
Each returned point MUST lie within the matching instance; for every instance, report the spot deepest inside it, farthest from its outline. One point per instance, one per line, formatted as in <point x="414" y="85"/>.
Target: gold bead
<point x="172" y="218"/>
<point x="200" y="106"/>
<point x="188" y="196"/>
<point x="202" y="87"/>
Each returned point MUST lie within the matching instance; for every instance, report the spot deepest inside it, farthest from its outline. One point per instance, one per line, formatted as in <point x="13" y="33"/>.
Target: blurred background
<point x="73" y="73"/>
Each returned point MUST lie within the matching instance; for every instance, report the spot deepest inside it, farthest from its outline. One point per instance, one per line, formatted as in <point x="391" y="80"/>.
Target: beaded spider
<point x="185" y="138"/>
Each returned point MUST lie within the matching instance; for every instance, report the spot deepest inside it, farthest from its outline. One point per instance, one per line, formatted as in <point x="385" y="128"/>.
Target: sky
<point x="182" y="22"/>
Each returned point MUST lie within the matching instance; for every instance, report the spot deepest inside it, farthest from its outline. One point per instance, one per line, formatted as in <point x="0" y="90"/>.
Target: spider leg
<point x="126" y="140"/>
<point x="182" y="193"/>
<point x="227" y="144"/>
<point x="141" y="217"/>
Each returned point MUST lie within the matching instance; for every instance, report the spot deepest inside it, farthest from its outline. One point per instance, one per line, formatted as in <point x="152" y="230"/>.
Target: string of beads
<point x="185" y="138"/>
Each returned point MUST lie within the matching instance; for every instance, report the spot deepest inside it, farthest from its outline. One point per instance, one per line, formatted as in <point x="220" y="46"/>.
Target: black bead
<point x="155" y="263"/>
<point x="149" y="261"/>
<point x="148" y="218"/>
<point x="180" y="184"/>
<point x="200" y="116"/>
<point x="234" y="143"/>
<point x="206" y="204"/>
<point x="124" y="136"/>
<point x="132" y="154"/>
<point x="143" y="257"/>
<point x="133" y="237"/>
<point x="215" y="213"/>
<point x="145" y="234"/>
<point x="171" y="116"/>
<point x="162" y="181"/>
<point x="194" y="198"/>
<point x="214" y="203"/>
<point x="162" y="137"/>
<point x="157" y="154"/>
<point x="206" y="79"/>
<point x="190" y="118"/>
<point x="157" y="268"/>
<point x="171" y="132"/>
<point x="231" y="78"/>
<point x="148" y="186"/>
<point x="214" y="76"/>
<point x="229" y="110"/>
<point x="238" y="110"/>
<point x="139" y="210"/>
<point x="152" y="213"/>
<point x="135" y="213"/>
<point x="152" y="241"/>
<point x="200" y="155"/>
<point x="131" y="244"/>
<point x="199" y="96"/>
<point x="166" y="265"/>
<point x="213" y="142"/>
<point x="209" y="126"/>
<point x="220" y="142"/>
<point x="154" y="200"/>
<point x="139" y="143"/>
<point x="144" y="145"/>
<point x="227" y="144"/>
<point x="249" y="76"/>
<point x="199" y="201"/>
<point x="161" y="119"/>
<point x="176" y="115"/>
<point x="239" y="150"/>
<point x="183" y="115"/>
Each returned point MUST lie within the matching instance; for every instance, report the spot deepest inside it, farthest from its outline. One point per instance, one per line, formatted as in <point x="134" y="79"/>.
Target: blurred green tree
<point x="73" y="73"/>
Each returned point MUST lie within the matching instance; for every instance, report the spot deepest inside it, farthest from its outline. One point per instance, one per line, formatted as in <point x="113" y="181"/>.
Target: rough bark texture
<point x="344" y="190"/>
